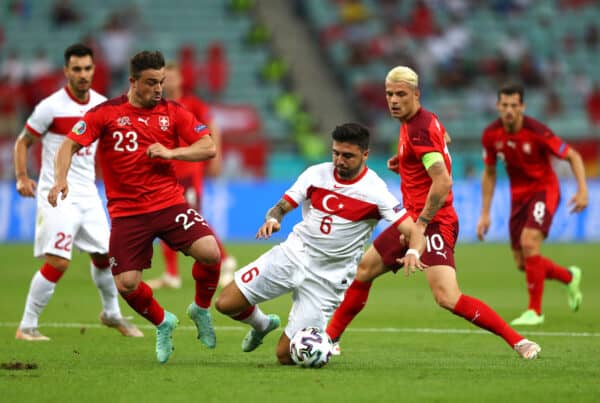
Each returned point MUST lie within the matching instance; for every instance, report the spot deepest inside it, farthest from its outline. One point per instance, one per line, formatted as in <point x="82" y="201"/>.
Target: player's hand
<point x="267" y="229"/>
<point x="483" y="225"/>
<point x="393" y="164"/>
<point x="26" y="186"/>
<point x="58" y="188"/>
<point x="411" y="264"/>
<point x="579" y="202"/>
<point x="157" y="150"/>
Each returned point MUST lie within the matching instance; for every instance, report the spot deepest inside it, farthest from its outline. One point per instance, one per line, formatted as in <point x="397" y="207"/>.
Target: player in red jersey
<point x="525" y="146"/>
<point x="423" y="163"/>
<point x="138" y="135"/>
<point x="191" y="177"/>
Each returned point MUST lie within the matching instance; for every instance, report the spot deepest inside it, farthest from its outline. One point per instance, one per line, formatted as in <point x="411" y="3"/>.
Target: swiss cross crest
<point x="527" y="148"/>
<point x="163" y="122"/>
<point x="124" y="121"/>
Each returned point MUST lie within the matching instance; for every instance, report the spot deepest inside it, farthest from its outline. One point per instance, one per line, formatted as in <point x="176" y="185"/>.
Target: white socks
<point x="105" y="283"/>
<point x="257" y="319"/>
<point x="40" y="291"/>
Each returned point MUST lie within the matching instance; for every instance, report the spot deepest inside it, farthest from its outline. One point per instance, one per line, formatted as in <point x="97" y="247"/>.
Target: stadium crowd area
<point x="463" y="49"/>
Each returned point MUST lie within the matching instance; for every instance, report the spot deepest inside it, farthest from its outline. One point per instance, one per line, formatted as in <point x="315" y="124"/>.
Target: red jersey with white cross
<point x="135" y="183"/>
<point x="421" y="135"/>
<point x="526" y="155"/>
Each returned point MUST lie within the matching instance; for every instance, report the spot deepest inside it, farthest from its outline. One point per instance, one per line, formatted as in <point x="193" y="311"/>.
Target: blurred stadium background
<point x="281" y="74"/>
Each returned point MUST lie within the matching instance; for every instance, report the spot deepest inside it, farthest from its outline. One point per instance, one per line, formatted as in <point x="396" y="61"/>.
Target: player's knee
<point x="445" y="299"/>
<point x="59" y="263"/>
<point x="126" y="285"/>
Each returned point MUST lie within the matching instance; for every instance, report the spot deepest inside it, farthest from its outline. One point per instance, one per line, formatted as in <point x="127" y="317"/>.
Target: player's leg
<point x="446" y="292"/>
<point x="283" y="350"/>
<point x="271" y="275"/>
<point x="378" y="259"/>
<point x="205" y="271"/>
<point x="228" y="264"/>
<point x="130" y="252"/>
<point x="530" y="242"/>
<point x="40" y="291"/>
<point x="93" y="237"/>
<point x="54" y="232"/>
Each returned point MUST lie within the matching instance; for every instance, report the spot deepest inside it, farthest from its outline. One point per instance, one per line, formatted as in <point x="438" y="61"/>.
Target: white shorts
<point x="274" y="273"/>
<point x="81" y="223"/>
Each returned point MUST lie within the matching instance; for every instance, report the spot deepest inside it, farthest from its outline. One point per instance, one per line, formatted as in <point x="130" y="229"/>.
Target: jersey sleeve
<point x="298" y="192"/>
<point x="89" y="128"/>
<point x="555" y="144"/>
<point x="187" y="127"/>
<point x="427" y="139"/>
<point x="489" y="153"/>
<point x="41" y="118"/>
<point x="389" y="207"/>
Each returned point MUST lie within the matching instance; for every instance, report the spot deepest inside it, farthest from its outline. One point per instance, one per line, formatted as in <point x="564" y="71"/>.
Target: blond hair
<point x="403" y="73"/>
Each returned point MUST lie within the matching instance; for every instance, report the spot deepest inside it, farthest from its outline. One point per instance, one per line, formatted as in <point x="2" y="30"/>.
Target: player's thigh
<point x="371" y="265"/>
<point x="388" y="246"/>
<point x="55" y="229"/>
<point x="93" y="233"/>
<point x="314" y="302"/>
<point x="130" y="245"/>
<point x="181" y="226"/>
<point x="271" y="275"/>
<point x="439" y="250"/>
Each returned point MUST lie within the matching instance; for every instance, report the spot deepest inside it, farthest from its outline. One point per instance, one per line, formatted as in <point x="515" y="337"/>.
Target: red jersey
<point x="135" y="183"/>
<point x="421" y="135"/>
<point x="526" y="155"/>
<point x="186" y="169"/>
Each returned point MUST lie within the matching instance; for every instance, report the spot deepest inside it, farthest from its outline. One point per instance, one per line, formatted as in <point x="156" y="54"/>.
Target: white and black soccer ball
<point x="310" y="347"/>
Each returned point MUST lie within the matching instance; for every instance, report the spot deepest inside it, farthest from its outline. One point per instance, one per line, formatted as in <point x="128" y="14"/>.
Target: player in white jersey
<point x="79" y="221"/>
<point x="341" y="203"/>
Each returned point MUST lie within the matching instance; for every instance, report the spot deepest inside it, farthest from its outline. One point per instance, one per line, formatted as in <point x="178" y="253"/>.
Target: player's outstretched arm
<point x="62" y="163"/>
<point x="580" y="200"/>
<point x="201" y="150"/>
<point x="488" y="184"/>
<point x="416" y="245"/>
<point x="273" y="219"/>
<point x="25" y="185"/>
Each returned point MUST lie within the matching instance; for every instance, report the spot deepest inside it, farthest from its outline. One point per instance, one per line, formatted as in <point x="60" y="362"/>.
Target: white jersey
<point x="338" y="217"/>
<point x="52" y="120"/>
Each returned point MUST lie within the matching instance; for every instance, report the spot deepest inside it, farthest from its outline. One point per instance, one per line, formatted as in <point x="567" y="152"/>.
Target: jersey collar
<point x="350" y="182"/>
<point x="74" y="98"/>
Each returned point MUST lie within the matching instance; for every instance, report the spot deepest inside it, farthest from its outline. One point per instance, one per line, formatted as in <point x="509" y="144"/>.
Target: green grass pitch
<point x="401" y="348"/>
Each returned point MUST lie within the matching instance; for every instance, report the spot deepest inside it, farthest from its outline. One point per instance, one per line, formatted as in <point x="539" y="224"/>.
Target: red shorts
<point x="131" y="237"/>
<point x="536" y="212"/>
<point x="439" y="250"/>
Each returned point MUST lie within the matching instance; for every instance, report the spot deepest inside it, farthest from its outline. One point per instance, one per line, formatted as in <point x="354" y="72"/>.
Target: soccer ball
<point x="310" y="348"/>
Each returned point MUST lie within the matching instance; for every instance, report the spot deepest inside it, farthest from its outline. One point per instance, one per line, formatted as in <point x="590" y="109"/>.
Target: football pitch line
<point x="352" y="330"/>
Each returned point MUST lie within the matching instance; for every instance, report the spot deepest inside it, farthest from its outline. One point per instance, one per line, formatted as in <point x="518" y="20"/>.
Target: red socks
<point x="245" y="314"/>
<point x="537" y="269"/>
<point x="354" y="301"/>
<point x="171" y="266"/>
<point x="207" y="278"/>
<point x="478" y="313"/>
<point x="51" y="273"/>
<point x="143" y="302"/>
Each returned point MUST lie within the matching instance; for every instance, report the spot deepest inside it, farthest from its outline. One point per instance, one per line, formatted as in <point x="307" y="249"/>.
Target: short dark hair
<point x="353" y="133"/>
<point x="512" y="88"/>
<point x="145" y="60"/>
<point x="79" y="50"/>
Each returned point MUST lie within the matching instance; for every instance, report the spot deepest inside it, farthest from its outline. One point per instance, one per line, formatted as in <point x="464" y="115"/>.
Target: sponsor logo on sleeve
<point x="79" y="128"/>
<point x="199" y="128"/>
<point x="562" y="147"/>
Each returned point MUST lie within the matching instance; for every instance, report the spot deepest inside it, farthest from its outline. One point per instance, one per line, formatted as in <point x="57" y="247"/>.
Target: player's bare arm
<point x="580" y="201"/>
<point x="416" y="244"/>
<point x="273" y="219"/>
<point x="201" y="150"/>
<point x="488" y="184"/>
<point x="447" y="138"/>
<point x="441" y="182"/>
<point x="215" y="165"/>
<point x="62" y="163"/>
<point x="25" y="185"/>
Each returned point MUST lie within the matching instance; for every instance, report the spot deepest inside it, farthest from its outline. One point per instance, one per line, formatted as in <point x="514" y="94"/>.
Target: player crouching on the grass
<point x="341" y="202"/>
